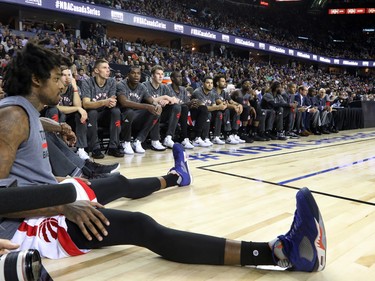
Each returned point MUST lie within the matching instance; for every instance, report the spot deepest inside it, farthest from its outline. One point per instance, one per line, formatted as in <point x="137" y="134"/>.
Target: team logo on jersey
<point x="100" y="96"/>
<point x="48" y="229"/>
<point x="44" y="144"/>
<point x="134" y="97"/>
<point x="66" y="101"/>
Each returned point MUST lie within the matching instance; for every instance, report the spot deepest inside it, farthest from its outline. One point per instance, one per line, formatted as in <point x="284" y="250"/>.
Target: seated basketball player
<point x="85" y="224"/>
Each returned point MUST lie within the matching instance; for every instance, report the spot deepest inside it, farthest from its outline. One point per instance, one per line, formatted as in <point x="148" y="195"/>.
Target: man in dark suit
<point x="301" y="109"/>
<point x="312" y="121"/>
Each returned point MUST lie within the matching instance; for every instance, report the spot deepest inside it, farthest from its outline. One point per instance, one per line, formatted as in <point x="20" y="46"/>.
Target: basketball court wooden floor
<point x="248" y="192"/>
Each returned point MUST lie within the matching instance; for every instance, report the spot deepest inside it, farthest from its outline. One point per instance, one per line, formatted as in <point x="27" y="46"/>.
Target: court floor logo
<point x="253" y="149"/>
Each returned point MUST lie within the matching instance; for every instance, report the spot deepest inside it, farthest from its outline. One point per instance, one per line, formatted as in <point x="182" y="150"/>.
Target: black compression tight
<point x="134" y="228"/>
<point x="112" y="188"/>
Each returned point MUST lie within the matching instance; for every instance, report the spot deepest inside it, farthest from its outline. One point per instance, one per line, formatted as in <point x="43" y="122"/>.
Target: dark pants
<point x="74" y="121"/>
<point x="269" y="119"/>
<point x="170" y="115"/>
<point x="109" y="118"/>
<point x="134" y="228"/>
<point x="137" y="123"/>
<point x="184" y="121"/>
<point x="200" y="118"/>
<point x="279" y="118"/>
<point x="64" y="162"/>
<point x="216" y="118"/>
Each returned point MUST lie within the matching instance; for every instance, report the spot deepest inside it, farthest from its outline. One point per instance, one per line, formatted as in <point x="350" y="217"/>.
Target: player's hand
<point x="68" y="135"/>
<point x="164" y="102"/>
<point x="86" y="216"/>
<point x="6" y="245"/>
<point x="112" y="102"/>
<point x="83" y="114"/>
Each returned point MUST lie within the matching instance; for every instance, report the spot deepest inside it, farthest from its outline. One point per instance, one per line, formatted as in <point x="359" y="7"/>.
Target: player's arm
<point x="126" y="103"/>
<point x="87" y="103"/>
<point x="14" y="128"/>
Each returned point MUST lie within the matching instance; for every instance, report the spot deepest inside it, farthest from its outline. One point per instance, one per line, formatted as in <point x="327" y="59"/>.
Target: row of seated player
<point x="130" y="109"/>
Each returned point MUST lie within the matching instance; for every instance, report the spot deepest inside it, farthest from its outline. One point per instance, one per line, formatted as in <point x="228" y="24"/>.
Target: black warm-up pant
<point x="73" y="119"/>
<point x="200" y="116"/>
<point x="184" y="121"/>
<point x="108" y="118"/>
<point x="135" y="228"/>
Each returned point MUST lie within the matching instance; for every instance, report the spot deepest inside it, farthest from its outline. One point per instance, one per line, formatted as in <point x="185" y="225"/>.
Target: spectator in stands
<point x="2" y="52"/>
<point x="4" y="62"/>
<point x="341" y="100"/>
<point x="99" y="99"/>
<point x="2" y="93"/>
<point x="9" y="46"/>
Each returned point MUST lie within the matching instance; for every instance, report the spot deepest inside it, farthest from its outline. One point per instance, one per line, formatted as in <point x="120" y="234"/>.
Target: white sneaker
<point x="187" y="144"/>
<point x="127" y="148"/>
<point x="217" y="140"/>
<point x="156" y="145"/>
<point x="168" y="142"/>
<point x="200" y="142"/>
<point x="231" y="140"/>
<point x="237" y="138"/>
<point x="207" y="141"/>
<point x="83" y="154"/>
<point x="137" y="146"/>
